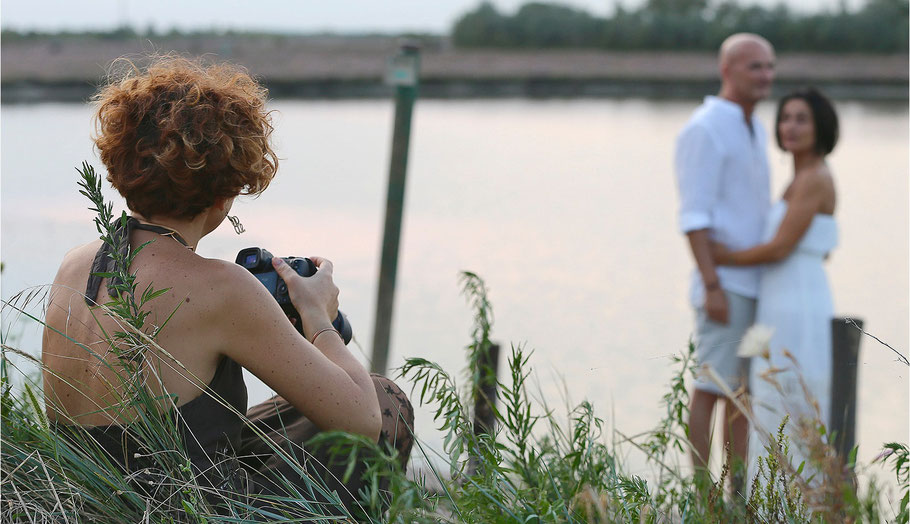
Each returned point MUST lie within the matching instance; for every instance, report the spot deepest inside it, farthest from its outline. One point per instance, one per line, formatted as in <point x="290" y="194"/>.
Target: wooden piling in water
<point x="845" y="338"/>
<point x="403" y="74"/>
<point x="485" y="396"/>
<point x="485" y="393"/>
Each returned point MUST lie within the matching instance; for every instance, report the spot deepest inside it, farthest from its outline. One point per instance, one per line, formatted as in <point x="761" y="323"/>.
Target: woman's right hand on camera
<point x="315" y="297"/>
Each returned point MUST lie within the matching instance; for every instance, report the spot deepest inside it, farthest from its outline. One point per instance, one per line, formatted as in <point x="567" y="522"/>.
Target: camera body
<point x="259" y="262"/>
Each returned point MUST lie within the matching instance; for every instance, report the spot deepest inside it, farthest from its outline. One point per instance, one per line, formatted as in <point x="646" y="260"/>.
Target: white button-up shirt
<point x="722" y="177"/>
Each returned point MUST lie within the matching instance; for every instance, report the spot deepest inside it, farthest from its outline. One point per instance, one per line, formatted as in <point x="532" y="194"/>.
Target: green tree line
<point x="879" y="26"/>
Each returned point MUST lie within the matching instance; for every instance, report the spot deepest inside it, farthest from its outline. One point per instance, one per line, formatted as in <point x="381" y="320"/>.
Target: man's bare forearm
<point x="700" y="244"/>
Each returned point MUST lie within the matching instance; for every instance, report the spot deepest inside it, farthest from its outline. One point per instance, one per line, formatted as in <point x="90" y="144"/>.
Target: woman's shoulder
<point x="813" y="177"/>
<point x="222" y="274"/>
<point x="821" y="173"/>
<point x="83" y="252"/>
<point x="77" y="262"/>
<point x="228" y="279"/>
<point x="815" y="184"/>
<point x="211" y="292"/>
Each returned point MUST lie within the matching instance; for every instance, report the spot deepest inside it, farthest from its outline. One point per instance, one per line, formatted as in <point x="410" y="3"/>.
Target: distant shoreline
<point x="337" y="67"/>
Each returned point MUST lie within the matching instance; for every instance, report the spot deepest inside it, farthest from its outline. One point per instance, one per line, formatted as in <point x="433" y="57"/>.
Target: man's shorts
<point x="716" y="344"/>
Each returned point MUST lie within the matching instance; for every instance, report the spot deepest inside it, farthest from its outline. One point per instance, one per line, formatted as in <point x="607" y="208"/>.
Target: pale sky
<point x="307" y="16"/>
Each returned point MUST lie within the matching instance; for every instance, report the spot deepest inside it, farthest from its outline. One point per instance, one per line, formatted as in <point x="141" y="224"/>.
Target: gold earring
<point x="238" y="227"/>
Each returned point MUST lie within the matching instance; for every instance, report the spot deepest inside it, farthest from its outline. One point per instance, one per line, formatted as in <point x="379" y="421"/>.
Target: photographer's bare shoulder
<point x="76" y="264"/>
<point x="242" y="306"/>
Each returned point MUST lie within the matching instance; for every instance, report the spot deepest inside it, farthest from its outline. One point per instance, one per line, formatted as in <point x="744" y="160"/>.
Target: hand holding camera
<point x="310" y="301"/>
<point x="315" y="299"/>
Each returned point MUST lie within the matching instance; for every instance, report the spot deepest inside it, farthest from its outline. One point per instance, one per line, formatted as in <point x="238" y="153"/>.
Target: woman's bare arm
<point x="324" y="381"/>
<point x="805" y="201"/>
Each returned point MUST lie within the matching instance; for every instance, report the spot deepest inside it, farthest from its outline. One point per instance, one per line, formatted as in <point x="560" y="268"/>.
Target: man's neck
<point x="747" y="106"/>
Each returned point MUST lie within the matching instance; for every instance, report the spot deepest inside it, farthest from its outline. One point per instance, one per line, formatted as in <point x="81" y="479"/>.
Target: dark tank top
<point x="210" y="430"/>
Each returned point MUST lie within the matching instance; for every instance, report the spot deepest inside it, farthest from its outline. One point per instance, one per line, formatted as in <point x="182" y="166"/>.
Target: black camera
<point x="259" y="262"/>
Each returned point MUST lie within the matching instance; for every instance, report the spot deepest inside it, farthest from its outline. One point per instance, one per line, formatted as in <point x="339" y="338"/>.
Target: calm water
<point x="566" y="208"/>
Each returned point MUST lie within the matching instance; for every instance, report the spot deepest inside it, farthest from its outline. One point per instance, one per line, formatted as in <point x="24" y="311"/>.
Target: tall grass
<point x="536" y="468"/>
<point x="531" y="466"/>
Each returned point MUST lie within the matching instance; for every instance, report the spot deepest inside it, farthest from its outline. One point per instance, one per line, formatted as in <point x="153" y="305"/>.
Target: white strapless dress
<point x="795" y="300"/>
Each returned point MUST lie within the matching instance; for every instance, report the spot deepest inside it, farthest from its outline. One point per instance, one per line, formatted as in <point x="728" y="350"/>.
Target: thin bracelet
<point x="713" y="285"/>
<point x="323" y="330"/>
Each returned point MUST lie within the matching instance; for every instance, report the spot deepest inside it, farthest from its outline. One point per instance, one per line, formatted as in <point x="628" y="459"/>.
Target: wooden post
<point x="845" y="339"/>
<point x="402" y="73"/>
<point x="485" y="393"/>
<point x="485" y="396"/>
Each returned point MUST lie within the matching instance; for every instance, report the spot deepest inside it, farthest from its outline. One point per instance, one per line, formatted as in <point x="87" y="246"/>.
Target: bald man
<point x="724" y="190"/>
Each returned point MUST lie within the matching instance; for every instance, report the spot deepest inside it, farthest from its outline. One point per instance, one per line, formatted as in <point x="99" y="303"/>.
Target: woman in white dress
<point x="794" y="298"/>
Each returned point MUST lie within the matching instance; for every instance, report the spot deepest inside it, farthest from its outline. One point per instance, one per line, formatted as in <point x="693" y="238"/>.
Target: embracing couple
<point x="757" y="263"/>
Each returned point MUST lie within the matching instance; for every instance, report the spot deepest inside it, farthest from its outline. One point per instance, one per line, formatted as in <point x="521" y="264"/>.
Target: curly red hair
<point x="179" y="134"/>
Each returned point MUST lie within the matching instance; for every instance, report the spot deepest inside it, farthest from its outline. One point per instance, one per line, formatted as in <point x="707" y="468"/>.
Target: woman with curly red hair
<point x="180" y="140"/>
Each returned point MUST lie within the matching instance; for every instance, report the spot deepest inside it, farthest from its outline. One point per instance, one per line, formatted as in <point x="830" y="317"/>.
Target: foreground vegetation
<point x="530" y="466"/>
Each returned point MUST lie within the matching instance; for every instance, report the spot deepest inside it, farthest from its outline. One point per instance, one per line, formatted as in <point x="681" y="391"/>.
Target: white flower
<point x="755" y="342"/>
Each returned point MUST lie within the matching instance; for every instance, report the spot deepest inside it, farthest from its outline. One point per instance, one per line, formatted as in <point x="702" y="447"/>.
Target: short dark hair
<point x="823" y="115"/>
<point x="179" y="134"/>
